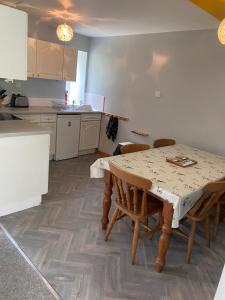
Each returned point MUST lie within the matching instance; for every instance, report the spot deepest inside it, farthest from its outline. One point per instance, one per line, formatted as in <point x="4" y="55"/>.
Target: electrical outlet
<point x="157" y="94"/>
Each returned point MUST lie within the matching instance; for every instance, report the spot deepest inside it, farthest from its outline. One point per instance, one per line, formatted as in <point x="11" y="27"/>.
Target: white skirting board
<point x="13" y="206"/>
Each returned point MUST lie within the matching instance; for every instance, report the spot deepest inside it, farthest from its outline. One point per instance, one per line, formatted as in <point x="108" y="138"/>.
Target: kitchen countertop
<point x="45" y="110"/>
<point x="20" y="128"/>
<point x="19" y="279"/>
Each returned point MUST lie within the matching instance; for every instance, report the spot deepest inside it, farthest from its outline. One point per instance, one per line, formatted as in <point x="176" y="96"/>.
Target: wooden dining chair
<point x="163" y="143"/>
<point x="219" y="206"/>
<point x="201" y="211"/>
<point x="133" y="201"/>
<point x="130" y="148"/>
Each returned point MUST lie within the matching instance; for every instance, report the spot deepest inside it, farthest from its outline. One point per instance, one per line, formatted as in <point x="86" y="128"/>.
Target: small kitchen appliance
<point x="19" y="101"/>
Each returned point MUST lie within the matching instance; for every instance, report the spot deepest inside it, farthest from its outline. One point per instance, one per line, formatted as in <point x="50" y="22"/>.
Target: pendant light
<point x="221" y="32"/>
<point x="64" y="32"/>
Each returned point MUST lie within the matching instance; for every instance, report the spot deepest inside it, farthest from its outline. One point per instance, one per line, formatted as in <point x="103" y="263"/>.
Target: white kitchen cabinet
<point x="49" y="60"/>
<point x="13" y="50"/>
<point x="89" y="135"/>
<point x="31" y="57"/>
<point x="24" y="171"/>
<point x="52" y="128"/>
<point x="70" y="64"/>
<point x="46" y="120"/>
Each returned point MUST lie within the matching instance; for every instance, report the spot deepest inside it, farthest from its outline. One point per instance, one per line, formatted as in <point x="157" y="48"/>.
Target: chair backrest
<point x="131" y="190"/>
<point x="212" y="193"/>
<point x="130" y="148"/>
<point x="163" y="143"/>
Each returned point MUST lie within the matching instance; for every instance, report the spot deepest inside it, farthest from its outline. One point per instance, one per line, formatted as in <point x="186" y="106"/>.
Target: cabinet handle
<point x="69" y="124"/>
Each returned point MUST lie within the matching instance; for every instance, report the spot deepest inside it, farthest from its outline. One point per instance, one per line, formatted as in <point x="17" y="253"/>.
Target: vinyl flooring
<point x="64" y="240"/>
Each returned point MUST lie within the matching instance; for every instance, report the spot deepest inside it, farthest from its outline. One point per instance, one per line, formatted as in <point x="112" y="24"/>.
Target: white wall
<point x="189" y="70"/>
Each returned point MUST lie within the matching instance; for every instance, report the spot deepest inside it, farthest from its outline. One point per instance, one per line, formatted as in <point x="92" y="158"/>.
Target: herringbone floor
<point x="63" y="238"/>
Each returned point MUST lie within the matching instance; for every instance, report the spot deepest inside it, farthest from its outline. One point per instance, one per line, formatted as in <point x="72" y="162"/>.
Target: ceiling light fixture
<point x="64" y="32"/>
<point x="221" y="32"/>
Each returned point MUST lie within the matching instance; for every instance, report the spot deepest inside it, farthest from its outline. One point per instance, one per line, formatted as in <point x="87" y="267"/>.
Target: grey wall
<point x="40" y="88"/>
<point x="187" y="67"/>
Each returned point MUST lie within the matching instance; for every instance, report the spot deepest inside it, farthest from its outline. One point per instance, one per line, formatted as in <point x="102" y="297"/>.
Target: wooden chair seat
<point x="133" y="201"/>
<point x="201" y="212"/>
<point x="163" y="143"/>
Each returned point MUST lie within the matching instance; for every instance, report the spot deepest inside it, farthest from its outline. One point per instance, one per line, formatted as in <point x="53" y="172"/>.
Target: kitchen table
<point x="178" y="188"/>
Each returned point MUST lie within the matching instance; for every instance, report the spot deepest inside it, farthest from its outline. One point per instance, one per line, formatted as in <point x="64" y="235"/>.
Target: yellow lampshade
<point x="64" y="32"/>
<point x="221" y="32"/>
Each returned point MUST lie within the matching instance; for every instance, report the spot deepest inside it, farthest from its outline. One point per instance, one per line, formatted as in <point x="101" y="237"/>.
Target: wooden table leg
<point x="107" y="199"/>
<point x="164" y="240"/>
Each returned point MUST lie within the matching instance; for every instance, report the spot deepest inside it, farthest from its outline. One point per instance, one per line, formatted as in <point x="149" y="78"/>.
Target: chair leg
<point x="161" y="219"/>
<point x="134" y="242"/>
<point x="217" y="221"/>
<point x="111" y="223"/>
<point x="146" y="223"/>
<point x="159" y="222"/>
<point x="191" y="241"/>
<point x="207" y="231"/>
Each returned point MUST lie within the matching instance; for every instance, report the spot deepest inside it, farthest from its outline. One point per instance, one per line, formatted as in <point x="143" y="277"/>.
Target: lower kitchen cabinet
<point x="70" y="135"/>
<point x="46" y="120"/>
<point x="89" y="135"/>
<point x="52" y="128"/>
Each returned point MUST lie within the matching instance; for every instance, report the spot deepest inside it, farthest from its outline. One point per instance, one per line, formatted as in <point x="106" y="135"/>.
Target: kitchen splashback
<point x="45" y="102"/>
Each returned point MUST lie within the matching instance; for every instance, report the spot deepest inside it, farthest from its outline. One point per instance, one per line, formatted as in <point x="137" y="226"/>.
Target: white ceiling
<point x="120" y="17"/>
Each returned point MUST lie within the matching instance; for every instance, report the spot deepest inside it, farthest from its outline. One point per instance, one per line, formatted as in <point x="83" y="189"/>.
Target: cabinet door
<point x="70" y="64"/>
<point x="13" y="58"/>
<point x="67" y="140"/>
<point x="31" y="57"/>
<point x="89" y="135"/>
<point x="52" y="127"/>
<point x="49" y="60"/>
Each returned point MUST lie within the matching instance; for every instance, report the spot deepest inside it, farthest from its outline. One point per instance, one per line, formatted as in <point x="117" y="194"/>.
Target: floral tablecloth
<point x="180" y="186"/>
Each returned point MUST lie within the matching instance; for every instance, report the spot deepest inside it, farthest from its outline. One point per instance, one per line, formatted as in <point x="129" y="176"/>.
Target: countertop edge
<point x="15" y="134"/>
<point x="14" y="128"/>
<point x="44" y="110"/>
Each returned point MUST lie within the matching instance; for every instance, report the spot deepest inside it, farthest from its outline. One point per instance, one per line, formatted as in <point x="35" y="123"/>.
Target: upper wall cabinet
<point x="70" y="64"/>
<point x="31" y="57"/>
<point x="49" y="60"/>
<point x="13" y="49"/>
